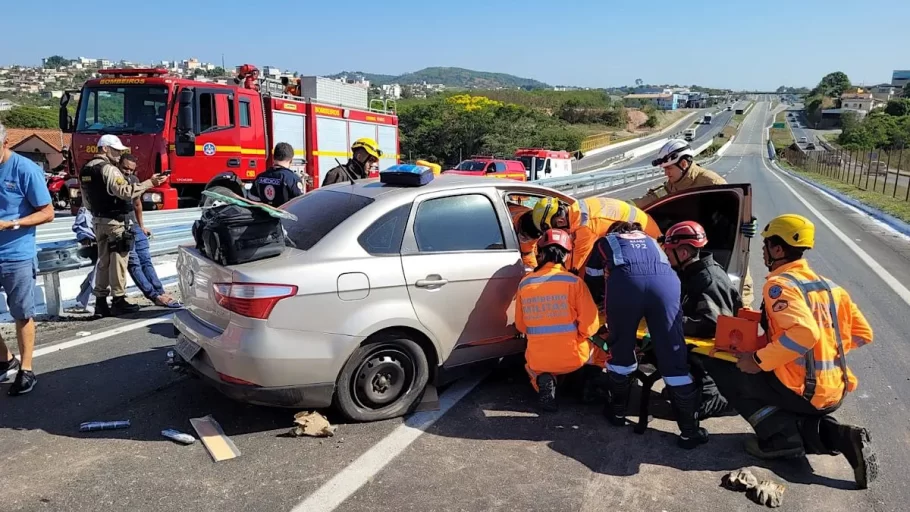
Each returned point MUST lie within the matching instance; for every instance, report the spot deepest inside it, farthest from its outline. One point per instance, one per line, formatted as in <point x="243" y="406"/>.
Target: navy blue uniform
<point x="640" y="283"/>
<point x="277" y="186"/>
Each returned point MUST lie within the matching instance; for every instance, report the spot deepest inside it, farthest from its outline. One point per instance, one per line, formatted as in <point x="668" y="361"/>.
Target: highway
<point x="490" y="450"/>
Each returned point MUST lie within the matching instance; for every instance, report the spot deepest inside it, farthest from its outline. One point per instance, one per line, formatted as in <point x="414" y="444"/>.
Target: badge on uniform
<point x="780" y="306"/>
<point x="775" y="291"/>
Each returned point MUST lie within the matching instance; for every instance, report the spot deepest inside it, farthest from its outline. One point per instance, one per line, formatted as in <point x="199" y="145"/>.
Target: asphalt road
<point x="490" y="451"/>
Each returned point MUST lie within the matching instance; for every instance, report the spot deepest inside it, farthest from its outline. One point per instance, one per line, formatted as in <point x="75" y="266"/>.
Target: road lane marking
<point x="344" y="484"/>
<point x="873" y="265"/>
<point x="101" y="335"/>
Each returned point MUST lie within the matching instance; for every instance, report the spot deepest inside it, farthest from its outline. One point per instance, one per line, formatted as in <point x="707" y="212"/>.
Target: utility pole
<point x="222" y="63"/>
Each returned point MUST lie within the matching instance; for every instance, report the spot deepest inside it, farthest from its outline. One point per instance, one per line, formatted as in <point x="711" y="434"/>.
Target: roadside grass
<point x="781" y="137"/>
<point x="894" y="206"/>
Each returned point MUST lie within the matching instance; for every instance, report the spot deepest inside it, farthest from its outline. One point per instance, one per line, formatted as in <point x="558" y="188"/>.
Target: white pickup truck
<point x="689" y="133"/>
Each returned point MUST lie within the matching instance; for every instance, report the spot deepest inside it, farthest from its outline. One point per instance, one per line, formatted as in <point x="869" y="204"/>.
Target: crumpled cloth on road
<point x="739" y="480"/>
<point x="312" y="424"/>
<point x="768" y="493"/>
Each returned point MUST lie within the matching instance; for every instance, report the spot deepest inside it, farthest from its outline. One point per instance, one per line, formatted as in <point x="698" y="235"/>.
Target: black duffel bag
<point x="231" y="235"/>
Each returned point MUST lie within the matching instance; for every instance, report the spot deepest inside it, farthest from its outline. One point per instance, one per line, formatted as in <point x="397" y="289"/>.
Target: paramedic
<point x="279" y="184"/>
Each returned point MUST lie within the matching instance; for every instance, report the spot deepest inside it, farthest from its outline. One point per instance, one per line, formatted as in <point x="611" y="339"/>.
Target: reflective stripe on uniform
<point x="761" y="414"/>
<point x="594" y="272"/>
<point x="789" y="344"/>
<point x="559" y="278"/>
<point x="633" y="215"/>
<point x="622" y="370"/>
<point x="618" y="260"/>
<point x="859" y="341"/>
<point x="583" y="207"/>
<point x="678" y="381"/>
<point x="553" y="329"/>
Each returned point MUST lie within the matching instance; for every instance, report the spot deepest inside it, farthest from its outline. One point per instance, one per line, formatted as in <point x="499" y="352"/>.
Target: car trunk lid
<point x="197" y="276"/>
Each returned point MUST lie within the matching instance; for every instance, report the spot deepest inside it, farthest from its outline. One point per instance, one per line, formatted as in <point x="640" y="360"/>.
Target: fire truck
<point x="222" y="135"/>
<point x="545" y="163"/>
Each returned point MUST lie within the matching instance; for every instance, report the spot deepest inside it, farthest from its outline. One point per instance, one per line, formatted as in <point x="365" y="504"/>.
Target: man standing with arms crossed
<point x="108" y="196"/>
<point x="24" y="204"/>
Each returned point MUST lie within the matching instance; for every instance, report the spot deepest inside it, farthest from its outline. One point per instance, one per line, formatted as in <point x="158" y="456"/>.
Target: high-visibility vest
<point x="590" y="219"/>
<point x="554" y="309"/>
<point x="812" y="325"/>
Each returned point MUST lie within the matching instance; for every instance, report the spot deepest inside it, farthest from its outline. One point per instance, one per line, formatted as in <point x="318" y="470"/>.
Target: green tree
<point x="898" y="108"/>
<point x="30" y="117"/>
<point x="56" y="61"/>
<point x="653" y="120"/>
<point x="832" y="85"/>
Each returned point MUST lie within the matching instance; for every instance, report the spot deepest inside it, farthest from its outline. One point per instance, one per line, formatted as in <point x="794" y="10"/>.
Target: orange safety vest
<point x="528" y="248"/>
<point x="590" y="219"/>
<point x="554" y="309"/>
<point x="812" y="325"/>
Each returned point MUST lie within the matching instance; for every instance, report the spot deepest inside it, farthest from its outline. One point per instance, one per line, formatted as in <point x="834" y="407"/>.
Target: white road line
<point x="873" y="265"/>
<point x="101" y="335"/>
<point x="334" y="492"/>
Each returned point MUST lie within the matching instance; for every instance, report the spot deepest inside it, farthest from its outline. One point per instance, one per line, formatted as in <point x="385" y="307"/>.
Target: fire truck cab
<point x="544" y="163"/>
<point x="222" y="135"/>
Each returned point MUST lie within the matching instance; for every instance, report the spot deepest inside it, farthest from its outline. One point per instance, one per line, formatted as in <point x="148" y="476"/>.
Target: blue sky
<point x="574" y="42"/>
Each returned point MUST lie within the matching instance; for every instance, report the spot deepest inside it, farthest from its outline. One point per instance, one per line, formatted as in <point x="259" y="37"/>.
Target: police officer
<point x="279" y="184"/>
<point x="365" y="153"/>
<point x="788" y="389"/>
<point x="641" y="284"/>
<point x="677" y="159"/>
<point x="108" y="196"/>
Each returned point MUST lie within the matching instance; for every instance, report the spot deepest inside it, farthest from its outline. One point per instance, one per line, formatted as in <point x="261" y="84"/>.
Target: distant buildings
<point x="900" y="78"/>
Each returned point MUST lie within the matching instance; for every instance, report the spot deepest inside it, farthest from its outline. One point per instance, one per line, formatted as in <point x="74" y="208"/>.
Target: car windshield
<point x="471" y="165"/>
<point x="318" y="213"/>
<point x="526" y="160"/>
<point x="122" y="110"/>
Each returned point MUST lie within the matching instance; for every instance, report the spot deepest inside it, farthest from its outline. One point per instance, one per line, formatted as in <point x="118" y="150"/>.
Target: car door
<point x="462" y="271"/>
<point x="721" y="210"/>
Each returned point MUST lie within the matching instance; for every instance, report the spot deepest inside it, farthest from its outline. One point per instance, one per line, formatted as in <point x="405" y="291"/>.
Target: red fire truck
<point x="222" y="135"/>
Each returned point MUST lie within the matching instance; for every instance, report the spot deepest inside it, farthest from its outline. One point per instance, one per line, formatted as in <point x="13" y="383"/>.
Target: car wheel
<point x="382" y="379"/>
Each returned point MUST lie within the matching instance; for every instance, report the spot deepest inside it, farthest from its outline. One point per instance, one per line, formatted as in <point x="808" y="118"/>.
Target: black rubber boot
<point x="593" y="378"/>
<point x="855" y="443"/>
<point x="119" y="306"/>
<point x="546" y="394"/>
<point x="685" y="401"/>
<point x="619" y="387"/>
<point x="101" y="307"/>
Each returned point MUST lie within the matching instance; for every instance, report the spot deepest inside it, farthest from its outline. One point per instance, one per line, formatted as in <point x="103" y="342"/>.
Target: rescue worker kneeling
<point x="641" y="284"/>
<point x="787" y="389"/>
<point x="554" y="309"/>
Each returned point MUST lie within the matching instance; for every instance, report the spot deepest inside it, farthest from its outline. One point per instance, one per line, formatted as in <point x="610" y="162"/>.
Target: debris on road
<point x="220" y="446"/>
<point x="740" y="480"/>
<point x="94" y="426"/>
<point x="180" y="437"/>
<point x="312" y="424"/>
<point x="768" y="493"/>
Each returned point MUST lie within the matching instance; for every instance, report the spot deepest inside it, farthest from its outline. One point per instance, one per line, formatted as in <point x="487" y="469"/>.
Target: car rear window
<point x="318" y="213"/>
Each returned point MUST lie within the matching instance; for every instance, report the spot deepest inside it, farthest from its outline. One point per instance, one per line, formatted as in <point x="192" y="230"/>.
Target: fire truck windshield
<point x="122" y="110"/>
<point x="527" y="161"/>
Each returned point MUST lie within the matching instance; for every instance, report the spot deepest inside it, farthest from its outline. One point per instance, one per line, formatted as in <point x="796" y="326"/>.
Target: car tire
<point x="384" y="378"/>
<point x="208" y="202"/>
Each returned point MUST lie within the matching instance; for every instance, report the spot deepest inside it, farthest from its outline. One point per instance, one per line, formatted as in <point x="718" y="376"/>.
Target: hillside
<point x="451" y="77"/>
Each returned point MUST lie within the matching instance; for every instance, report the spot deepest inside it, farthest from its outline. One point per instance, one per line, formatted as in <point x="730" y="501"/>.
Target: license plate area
<point x="186" y="348"/>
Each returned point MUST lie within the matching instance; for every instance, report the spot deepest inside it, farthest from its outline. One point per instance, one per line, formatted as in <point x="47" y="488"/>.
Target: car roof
<point x="372" y="187"/>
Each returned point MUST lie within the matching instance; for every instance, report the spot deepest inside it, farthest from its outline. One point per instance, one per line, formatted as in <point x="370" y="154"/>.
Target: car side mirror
<point x="185" y="145"/>
<point x="63" y="118"/>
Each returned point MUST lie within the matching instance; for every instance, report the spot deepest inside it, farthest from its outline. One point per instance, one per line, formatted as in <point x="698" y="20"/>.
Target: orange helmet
<point x="555" y="237"/>
<point x="685" y="233"/>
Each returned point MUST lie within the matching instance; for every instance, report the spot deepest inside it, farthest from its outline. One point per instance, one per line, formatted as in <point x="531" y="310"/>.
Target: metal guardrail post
<point x="52" y="293"/>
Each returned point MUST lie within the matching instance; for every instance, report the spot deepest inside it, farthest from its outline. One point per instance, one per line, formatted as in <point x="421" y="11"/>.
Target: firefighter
<point x="522" y="220"/>
<point x="707" y="293"/>
<point x="677" y="159"/>
<point x="365" y="153"/>
<point x="557" y="314"/>
<point x="587" y="220"/>
<point x="641" y="284"/>
<point x="788" y="389"/>
<point x="279" y="184"/>
<point x="109" y="197"/>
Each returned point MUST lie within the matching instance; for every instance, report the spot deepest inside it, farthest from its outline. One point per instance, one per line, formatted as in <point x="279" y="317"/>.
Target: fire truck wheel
<point x="208" y="202"/>
<point x="384" y="378"/>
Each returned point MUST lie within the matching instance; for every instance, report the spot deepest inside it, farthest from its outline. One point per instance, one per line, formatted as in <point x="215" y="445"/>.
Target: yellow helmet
<point x="544" y="211"/>
<point x="368" y="145"/>
<point x="795" y="230"/>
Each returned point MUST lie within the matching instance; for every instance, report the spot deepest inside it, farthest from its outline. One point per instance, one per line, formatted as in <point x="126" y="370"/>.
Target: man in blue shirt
<point x="24" y="204"/>
<point x="279" y="184"/>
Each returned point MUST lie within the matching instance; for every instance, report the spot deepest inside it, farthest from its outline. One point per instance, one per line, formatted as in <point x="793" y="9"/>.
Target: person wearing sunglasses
<point x="677" y="159"/>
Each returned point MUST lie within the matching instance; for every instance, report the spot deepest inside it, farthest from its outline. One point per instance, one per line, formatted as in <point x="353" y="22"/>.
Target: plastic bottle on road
<point x="178" y="436"/>
<point x="93" y="426"/>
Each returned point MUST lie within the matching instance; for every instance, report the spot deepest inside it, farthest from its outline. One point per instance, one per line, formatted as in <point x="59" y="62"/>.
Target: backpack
<point x="231" y="235"/>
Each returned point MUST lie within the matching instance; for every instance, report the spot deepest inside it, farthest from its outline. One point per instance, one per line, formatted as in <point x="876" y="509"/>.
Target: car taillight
<point x="252" y="299"/>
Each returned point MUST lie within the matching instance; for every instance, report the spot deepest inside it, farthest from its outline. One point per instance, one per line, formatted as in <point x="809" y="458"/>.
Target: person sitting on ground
<point x="707" y="293"/>
<point x="554" y="309"/>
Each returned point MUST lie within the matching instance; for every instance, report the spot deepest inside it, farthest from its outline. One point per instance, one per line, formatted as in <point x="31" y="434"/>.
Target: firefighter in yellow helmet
<point x="365" y="152"/>
<point x="788" y="389"/>
<point x="587" y="220"/>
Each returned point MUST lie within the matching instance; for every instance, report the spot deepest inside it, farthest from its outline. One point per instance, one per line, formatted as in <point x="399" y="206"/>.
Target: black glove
<point x="749" y="229"/>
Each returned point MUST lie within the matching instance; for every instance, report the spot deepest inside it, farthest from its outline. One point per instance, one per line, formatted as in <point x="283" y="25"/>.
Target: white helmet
<point x="672" y="152"/>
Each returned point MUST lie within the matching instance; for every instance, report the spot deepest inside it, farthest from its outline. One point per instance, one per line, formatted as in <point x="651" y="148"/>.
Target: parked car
<point x="386" y="290"/>
<point x="491" y="168"/>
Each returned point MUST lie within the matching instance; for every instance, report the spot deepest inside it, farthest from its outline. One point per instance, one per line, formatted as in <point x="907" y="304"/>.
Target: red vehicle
<point x="222" y="135"/>
<point x="491" y="167"/>
<point x="545" y="163"/>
